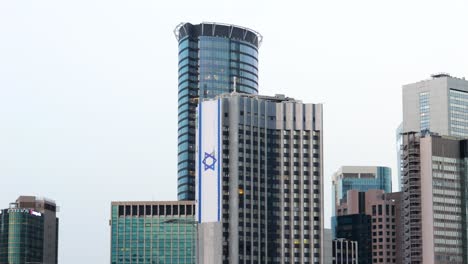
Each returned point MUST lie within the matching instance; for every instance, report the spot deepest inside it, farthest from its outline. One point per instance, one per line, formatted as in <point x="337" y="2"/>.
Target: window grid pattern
<point x="21" y="237"/>
<point x="382" y="180"/>
<point x="448" y="212"/>
<point x="153" y="233"/>
<point x="384" y="247"/>
<point x="424" y="111"/>
<point x="277" y="177"/>
<point x="207" y="67"/>
<point x="458" y="113"/>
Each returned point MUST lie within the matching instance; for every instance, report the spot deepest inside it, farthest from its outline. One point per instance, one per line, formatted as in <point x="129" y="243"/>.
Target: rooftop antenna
<point x="234" y="80"/>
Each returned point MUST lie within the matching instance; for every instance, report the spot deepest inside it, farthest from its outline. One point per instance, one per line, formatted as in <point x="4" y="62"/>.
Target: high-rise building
<point x="259" y="180"/>
<point x="214" y="58"/>
<point x="153" y="232"/>
<point x="29" y="231"/>
<point x="434" y="207"/>
<point x="360" y="178"/>
<point x="345" y="251"/>
<point x="383" y="245"/>
<point x="439" y="104"/>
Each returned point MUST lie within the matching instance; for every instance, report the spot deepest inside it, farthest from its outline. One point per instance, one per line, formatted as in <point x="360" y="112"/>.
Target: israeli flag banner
<point x="208" y="173"/>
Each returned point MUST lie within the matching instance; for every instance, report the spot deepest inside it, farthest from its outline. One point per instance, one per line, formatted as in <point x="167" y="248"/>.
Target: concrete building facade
<point x="384" y="211"/>
<point x="260" y="180"/>
<point x="434" y="185"/>
<point x="438" y="105"/>
<point x="153" y="232"/>
<point x="327" y="245"/>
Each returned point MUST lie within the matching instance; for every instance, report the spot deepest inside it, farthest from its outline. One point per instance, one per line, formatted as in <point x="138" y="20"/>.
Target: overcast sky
<point x="88" y="91"/>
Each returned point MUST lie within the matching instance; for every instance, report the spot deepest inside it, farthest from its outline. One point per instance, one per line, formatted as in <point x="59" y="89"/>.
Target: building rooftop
<point x="151" y="202"/>
<point x="214" y="29"/>
<point x="276" y="98"/>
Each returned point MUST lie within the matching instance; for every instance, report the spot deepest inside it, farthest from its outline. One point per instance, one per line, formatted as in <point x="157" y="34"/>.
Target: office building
<point x="356" y="227"/>
<point x="434" y="207"/>
<point x="345" y="252"/>
<point x="260" y="180"/>
<point x="213" y="59"/>
<point x="153" y="232"/>
<point x="29" y="231"/>
<point x="360" y="178"/>
<point x="383" y="210"/>
<point x="439" y="104"/>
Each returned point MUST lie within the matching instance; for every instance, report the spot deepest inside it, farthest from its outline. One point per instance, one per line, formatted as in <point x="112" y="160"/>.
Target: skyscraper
<point x="213" y="58"/>
<point x="360" y="178"/>
<point x="259" y="180"/>
<point x="439" y="104"/>
<point x="29" y="231"/>
<point x="153" y="232"/>
<point x="434" y="207"/>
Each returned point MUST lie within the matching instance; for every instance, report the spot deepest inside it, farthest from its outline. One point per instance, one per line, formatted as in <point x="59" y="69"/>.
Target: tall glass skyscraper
<point x="214" y="58"/>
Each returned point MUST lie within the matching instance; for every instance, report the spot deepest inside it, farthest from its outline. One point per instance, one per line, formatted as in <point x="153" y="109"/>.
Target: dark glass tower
<point x="213" y="59"/>
<point x="21" y="236"/>
<point x="29" y="231"/>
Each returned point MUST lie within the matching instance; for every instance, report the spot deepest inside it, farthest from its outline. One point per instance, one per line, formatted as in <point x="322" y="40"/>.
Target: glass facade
<point x="381" y="180"/>
<point x="21" y="236"/>
<point x="424" y="111"/>
<point x="153" y="233"/>
<point x="211" y="56"/>
<point x="458" y="113"/>
<point x="356" y="227"/>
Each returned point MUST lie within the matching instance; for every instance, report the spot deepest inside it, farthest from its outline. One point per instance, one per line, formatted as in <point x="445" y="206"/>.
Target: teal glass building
<point x="153" y="232"/>
<point x="29" y="232"/>
<point x="214" y="58"/>
<point x="21" y="236"/>
<point x="361" y="178"/>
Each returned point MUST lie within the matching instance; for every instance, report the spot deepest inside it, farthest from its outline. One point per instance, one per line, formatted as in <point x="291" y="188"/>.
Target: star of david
<point x="209" y="161"/>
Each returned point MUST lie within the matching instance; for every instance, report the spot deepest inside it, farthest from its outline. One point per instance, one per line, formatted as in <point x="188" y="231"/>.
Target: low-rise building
<point x="153" y="232"/>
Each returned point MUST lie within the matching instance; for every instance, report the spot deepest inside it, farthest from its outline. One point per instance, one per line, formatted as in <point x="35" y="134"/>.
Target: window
<point x="424" y="111"/>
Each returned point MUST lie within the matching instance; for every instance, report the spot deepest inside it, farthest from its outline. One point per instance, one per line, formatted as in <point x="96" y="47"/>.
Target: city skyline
<point x="90" y="96"/>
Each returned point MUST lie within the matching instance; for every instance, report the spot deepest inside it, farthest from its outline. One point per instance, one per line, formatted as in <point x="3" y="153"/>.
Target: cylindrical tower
<point x="214" y="58"/>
